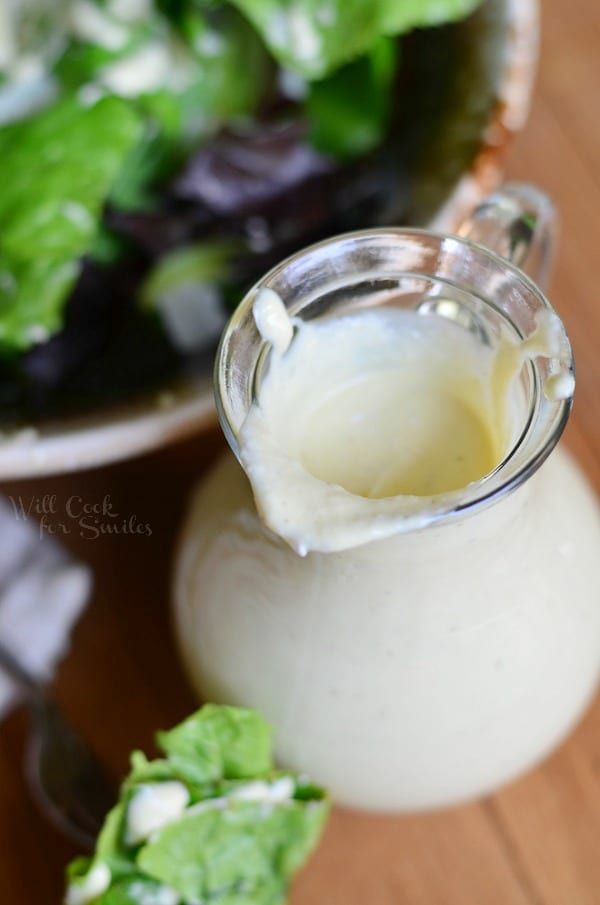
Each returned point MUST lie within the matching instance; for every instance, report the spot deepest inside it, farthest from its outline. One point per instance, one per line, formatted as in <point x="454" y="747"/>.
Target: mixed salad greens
<point x="157" y="155"/>
<point x="211" y="822"/>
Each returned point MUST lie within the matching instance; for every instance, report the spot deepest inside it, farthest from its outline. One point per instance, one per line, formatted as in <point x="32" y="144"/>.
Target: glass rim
<point x="485" y="490"/>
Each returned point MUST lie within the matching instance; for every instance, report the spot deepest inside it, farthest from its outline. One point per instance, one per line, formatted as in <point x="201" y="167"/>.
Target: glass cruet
<point x="434" y="664"/>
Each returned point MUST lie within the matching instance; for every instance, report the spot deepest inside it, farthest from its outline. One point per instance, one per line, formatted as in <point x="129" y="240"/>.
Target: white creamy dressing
<point x="153" y="66"/>
<point x="156" y="805"/>
<point x="153" y="806"/>
<point x="559" y="386"/>
<point x="98" y="880"/>
<point x="377" y="418"/>
<point x="193" y="315"/>
<point x="277" y="792"/>
<point x="272" y="320"/>
<point x="26" y="92"/>
<point x="130" y="10"/>
<point x="403" y="669"/>
<point x="106" y="26"/>
<point x="25" y="58"/>
<point x="292" y="26"/>
<point x="210" y="43"/>
<point x="18" y="19"/>
<point x="162" y="895"/>
<point x="280" y="791"/>
<point x="407" y="673"/>
<point x="292" y="85"/>
<point x="89" y="22"/>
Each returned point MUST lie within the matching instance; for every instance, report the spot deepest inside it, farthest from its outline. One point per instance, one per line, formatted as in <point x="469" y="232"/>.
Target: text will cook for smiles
<point x="89" y="518"/>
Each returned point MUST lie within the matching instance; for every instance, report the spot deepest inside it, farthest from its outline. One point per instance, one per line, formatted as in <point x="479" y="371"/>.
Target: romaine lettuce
<point x="58" y="169"/>
<point x="184" y="72"/>
<point x="245" y="847"/>
<point x="348" y="111"/>
<point x="221" y="742"/>
<point x="314" y="37"/>
<point x="171" y="75"/>
<point x="243" y="835"/>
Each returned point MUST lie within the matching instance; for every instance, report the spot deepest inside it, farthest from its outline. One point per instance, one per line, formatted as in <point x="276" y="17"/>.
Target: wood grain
<point x="535" y="843"/>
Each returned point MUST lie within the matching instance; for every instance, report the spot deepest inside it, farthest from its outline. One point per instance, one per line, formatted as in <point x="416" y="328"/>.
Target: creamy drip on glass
<point x="378" y="417"/>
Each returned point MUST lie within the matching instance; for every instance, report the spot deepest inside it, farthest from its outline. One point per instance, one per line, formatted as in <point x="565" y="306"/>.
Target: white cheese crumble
<point x="89" y="23"/>
<point x="145" y="70"/>
<point x="94" y="884"/>
<point x="153" y="806"/>
<point x="26" y="46"/>
<point x="157" y="65"/>
<point x="258" y="791"/>
<point x="163" y="895"/>
<point x="130" y="10"/>
<point x="210" y="43"/>
<point x="193" y="314"/>
<point x="292" y="84"/>
<point x="292" y="27"/>
<point x="77" y="213"/>
<point x="90" y="94"/>
<point x="37" y="333"/>
<point x="25" y="93"/>
<point x="268" y="793"/>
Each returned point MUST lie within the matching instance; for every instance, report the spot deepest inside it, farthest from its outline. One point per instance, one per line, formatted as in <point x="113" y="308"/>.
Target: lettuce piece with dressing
<point x="315" y="37"/>
<point x="183" y="72"/>
<point x="58" y="170"/>
<point x="211" y="821"/>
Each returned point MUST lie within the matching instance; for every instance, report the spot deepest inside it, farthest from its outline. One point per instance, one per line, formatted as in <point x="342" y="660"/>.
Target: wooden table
<point x="535" y="843"/>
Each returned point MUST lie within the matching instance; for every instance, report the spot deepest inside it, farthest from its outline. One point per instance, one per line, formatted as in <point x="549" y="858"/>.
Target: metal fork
<point x="72" y="789"/>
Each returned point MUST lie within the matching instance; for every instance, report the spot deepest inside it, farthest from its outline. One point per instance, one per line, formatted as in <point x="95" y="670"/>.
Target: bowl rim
<point x="130" y="429"/>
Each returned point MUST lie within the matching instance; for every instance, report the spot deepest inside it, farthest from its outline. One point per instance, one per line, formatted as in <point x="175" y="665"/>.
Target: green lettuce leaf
<point x="144" y="771"/>
<point x="58" y="170"/>
<point x="244" y="834"/>
<point x="182" y="75"/>
<point x="183" y="71"/>
<point x="220" y="743"/>
<point x="207" y="262"/>
<point x="314" y="37"/>
<point x="234" y="71"/>
<point x="244" y="847"/>
<point x="349" y="110"/>
<point x="78" y="869"/>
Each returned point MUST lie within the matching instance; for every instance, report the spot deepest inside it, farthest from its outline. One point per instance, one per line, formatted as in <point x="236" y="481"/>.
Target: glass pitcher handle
<point x="518" y="222"/>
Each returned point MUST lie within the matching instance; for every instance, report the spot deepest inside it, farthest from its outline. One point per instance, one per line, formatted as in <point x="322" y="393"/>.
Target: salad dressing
<point x="407" y="660"/>
<point x="368" y="421"/>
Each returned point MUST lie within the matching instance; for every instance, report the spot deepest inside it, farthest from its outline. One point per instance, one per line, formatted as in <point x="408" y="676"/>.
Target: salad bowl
<point x="457" y="141"/>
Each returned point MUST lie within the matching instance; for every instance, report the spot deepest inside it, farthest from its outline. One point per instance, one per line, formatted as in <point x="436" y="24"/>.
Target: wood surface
<point x="537" y="842"/>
